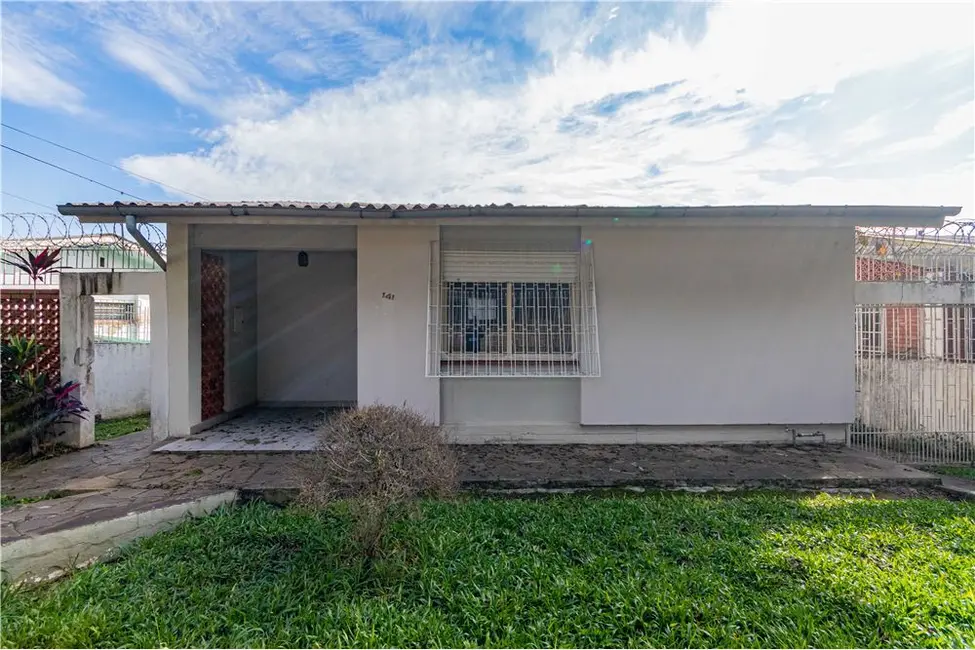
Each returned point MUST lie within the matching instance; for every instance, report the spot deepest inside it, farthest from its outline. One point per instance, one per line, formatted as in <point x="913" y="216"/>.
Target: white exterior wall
<point x="122" y="379"/>
<point x="281" y="238"/>
<point x="306" y="328"/>
<point x="509" y="404"/>
<point x="240" y="387"/>
<point x="393" y="278"/>
<point x="722" y="327"/>
<point x="183" y="328"/>
<point x="706" y="334"/>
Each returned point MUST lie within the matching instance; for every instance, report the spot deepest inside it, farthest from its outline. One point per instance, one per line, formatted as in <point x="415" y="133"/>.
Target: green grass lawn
<point x="669" y="570"/>
<point x="108" y="429"/>
<point x="7" y="501"/>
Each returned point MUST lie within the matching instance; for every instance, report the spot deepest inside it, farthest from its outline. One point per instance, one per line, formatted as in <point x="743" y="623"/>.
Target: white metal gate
<point x="915" y="345"/>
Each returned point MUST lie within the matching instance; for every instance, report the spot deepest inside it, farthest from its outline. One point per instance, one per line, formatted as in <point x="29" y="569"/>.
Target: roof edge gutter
<point x="132" y="226"/>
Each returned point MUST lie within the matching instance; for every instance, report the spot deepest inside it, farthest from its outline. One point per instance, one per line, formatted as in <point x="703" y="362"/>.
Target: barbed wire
<point x="34" y="230"/>
<point x="954" y="237"/>
<point x="83" y="245"/>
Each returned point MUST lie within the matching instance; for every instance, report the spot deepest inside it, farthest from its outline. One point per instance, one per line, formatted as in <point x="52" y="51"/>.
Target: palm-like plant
<point x="31" y="405"/>
<point x="37" y="267"/>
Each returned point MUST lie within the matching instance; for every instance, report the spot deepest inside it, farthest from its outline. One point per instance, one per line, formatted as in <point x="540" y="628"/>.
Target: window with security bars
<point x="870" y="330"/>
<point x="114" y="311"/>
<point x="522" y="319"/>
<point x="959" y="325"/>
<point x="509" y="313"/>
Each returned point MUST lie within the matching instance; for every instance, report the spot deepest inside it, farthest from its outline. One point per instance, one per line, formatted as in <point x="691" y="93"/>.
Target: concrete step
<point x="46" y="539"/>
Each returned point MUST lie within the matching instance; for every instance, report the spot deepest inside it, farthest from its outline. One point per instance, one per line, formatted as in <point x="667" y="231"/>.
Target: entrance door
<point x="213" y="296"/>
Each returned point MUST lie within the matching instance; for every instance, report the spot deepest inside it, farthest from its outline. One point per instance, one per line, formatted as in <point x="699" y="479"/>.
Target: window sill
<point x="510" y="369"/>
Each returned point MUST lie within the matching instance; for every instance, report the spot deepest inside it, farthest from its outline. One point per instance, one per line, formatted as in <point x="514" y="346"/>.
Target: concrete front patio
<point x="259" y="430"/>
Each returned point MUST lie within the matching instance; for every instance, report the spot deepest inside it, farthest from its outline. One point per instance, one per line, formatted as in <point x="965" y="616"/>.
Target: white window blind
<point x="510" y="266"/>
<point x="495" y="311"/>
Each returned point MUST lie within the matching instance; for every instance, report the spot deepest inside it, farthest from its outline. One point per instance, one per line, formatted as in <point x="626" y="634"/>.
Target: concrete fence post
<point x="77" y="321"/>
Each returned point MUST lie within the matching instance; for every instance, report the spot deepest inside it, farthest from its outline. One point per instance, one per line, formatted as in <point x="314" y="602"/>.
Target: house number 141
<point x="388" y="296"/>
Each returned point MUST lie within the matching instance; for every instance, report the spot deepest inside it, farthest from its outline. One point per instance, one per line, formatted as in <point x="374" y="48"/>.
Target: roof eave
<point x="906" y="216"/>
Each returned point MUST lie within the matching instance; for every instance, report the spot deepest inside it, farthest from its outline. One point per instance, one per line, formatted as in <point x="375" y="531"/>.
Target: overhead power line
<point x="26" y="200"/>
<point x="68" y="171"/>
<point x="99" y="160"/>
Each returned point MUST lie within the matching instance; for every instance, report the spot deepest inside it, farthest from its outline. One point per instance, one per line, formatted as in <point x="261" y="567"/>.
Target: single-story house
<point x="518" y="323"/>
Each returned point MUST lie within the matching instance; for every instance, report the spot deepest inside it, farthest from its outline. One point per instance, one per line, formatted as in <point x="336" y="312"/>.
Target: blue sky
<point x="599" y="103"/>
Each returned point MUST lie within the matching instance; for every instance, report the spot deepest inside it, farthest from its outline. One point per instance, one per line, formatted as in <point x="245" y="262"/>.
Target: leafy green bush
<point x="32" y="405"/>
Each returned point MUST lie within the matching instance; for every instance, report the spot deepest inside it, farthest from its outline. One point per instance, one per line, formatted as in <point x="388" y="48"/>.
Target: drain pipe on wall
<point x="130" y="225"/>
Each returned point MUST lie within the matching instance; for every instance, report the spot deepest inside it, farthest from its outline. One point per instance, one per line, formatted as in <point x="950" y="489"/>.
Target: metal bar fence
<point x="915" y="363"/>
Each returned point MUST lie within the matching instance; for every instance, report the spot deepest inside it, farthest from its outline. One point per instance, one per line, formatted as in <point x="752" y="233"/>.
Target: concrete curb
<point x="958" y="488"/>
<point x="50" y="555"/>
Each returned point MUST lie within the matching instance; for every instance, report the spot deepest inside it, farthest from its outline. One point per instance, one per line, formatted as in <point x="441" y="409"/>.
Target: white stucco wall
<point x="495" y="401"/>
<point x="306" y="328"/>
<point x="733" y="332"/>
<point x="182" y="316"/>
<point x="244" y="237"/>
<point x="393" y="279"/>
<point x="123" y="378"/>
<point x="240" y="386"/>
<point x="722" y="327"/>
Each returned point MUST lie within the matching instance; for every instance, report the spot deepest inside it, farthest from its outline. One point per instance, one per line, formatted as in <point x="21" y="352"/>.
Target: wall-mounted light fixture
<point x="302" y="258"/>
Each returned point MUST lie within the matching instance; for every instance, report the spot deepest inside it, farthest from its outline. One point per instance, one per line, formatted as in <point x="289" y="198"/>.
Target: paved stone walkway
<point x="128" y="462"/>
<point x="124" y="473"/>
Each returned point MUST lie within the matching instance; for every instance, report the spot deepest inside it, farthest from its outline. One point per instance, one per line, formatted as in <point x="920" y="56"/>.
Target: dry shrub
<point x="380" y="459"/>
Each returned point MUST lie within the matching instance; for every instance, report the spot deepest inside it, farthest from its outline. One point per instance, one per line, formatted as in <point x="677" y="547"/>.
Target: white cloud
<point x="444" y="125"/>
<point x="158" y="61"/>
<point x="30" y="71"/>
<point x="951" y="125"/>
<point x="186" y="50"/>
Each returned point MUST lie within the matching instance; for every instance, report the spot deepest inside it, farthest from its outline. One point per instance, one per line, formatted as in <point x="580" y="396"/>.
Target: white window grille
<point x="499" y="312"/>
<point x="121" y="321"/>
<point x="959" y="328"/>
<point x="114" y="311"/>
<point x="870" y="330"/>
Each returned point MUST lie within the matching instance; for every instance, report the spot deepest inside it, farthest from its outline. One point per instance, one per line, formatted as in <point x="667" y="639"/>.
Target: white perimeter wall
<point x="916" y="395"/>
<point x="122" y="379"/>
<point x="306" y="327"/>
<point x="392" y="311"/>
<point x="722" y="326"/>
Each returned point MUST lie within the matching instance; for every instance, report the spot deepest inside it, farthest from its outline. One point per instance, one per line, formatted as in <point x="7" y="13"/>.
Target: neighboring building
<point x="940" y="331"/>
<point x="117" y="318"/>
<point x="532" y="324"/>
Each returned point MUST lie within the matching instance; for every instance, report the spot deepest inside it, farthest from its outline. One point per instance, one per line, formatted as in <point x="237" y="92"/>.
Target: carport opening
<point x="278" y="343"/>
